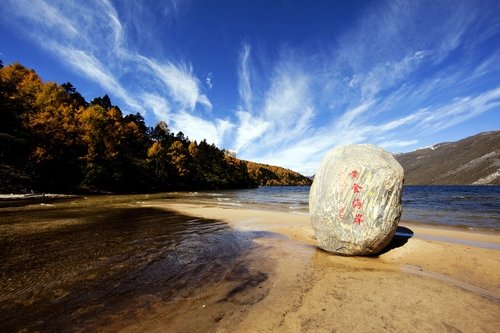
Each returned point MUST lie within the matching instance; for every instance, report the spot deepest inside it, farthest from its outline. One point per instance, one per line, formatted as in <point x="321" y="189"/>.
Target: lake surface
<point x="79" y="264"/>
<point x="472" y="207"/>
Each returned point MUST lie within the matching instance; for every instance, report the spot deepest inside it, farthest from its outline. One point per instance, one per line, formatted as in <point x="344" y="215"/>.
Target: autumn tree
<point x="19" y="87"/>
<point x="116" y="149"/>
<point x="74" y="96"/>
<point x="104" y="102"/>
<point x="54" y="124"/>
<point x="156" y="155"/>
<point x="180" y="161"/>
<point x="51" y="139"/>
<point x="16" y="96"/>
<point x="158" y="158"/>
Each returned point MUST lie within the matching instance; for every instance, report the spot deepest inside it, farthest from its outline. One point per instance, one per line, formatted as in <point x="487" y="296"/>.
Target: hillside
<point x="269" y="175"/>
<point x="473" y="160"/>
<point x="53" y="140"/>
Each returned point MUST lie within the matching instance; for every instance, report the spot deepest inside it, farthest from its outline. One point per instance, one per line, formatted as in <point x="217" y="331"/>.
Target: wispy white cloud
<point x="44" y="16"/>
<point x="386" y="74"/>
<point x="391" y="78"/>
<point x="244" y="87"/>
<point x="388" y="83"/>
<point x="279" y="117"/>
<point x="159" y="105"/>
<point x="72" y="40"/>
<point x="250" y="129"/>
<point x="353" y="116"/>
<point x="197" y="128"/>
<point x="180" y="82"/>
<point x="208" y="80"/>
<point x="91" y="39"/>
<point x="115" y="26"/>
<point x="458" y="111"/>
<point x="89" y="66"/>
<point x="287" y="100"/>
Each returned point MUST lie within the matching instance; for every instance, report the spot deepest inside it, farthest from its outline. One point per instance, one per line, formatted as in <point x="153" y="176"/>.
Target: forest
<point x="53" y="140"/>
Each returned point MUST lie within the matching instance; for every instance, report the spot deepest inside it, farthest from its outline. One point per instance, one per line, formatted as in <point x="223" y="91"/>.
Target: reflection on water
<point x="76" y="262"/>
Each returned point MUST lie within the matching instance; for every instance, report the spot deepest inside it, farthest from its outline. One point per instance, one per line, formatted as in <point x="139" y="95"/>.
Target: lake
<point x="472" y="207"/>
<point x="83" y="263"/>
<point x="79" y="263"/>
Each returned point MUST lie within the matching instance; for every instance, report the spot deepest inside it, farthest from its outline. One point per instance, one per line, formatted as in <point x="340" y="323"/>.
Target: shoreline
<point x="238" y="269"/>
<point x="270" y="208"/>
<point x="416" y="284"/>
<point x="191" y="196"/>
<point x="476" y="237"/>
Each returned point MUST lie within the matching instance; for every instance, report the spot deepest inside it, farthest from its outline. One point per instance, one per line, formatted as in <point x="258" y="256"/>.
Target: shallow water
<point x="76" y="263"/>
<point x="472" y="207"/>
<point x="109" y="263"/>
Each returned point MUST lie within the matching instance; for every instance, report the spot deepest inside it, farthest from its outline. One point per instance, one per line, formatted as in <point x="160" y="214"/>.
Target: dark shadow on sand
<point x="400" y="238"/>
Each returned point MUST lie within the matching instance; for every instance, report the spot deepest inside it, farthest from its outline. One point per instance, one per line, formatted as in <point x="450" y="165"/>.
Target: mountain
<point x="471" y="161"/>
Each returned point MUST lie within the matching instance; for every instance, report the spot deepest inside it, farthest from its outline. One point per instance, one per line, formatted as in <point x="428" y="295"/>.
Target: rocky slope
<point x="473" y="160"/>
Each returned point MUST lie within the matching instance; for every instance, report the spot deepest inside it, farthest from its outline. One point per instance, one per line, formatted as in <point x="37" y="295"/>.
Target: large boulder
<point x="355" y="200"/>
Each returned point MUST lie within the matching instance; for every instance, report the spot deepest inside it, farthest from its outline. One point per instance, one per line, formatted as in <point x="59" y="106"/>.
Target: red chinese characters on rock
<point x="356" y="203"/>
<point x="356" y="188"/>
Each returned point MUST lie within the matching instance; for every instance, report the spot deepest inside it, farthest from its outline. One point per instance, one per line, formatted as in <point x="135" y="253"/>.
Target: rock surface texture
<point x="355" y="200"/>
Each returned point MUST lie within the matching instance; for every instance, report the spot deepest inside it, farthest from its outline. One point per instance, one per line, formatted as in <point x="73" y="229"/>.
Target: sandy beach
<point x="143" y="263"/>
<point x="429" y="279"/>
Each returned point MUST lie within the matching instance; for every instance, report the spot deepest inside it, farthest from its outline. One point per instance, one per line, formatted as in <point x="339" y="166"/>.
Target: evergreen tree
<point x="74" y="96"/>
<point x="104" y="102"/>
<point x="51" y="139"/>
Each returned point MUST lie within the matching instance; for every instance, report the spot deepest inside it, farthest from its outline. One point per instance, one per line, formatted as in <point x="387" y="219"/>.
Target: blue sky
<point x="279" y="82"/>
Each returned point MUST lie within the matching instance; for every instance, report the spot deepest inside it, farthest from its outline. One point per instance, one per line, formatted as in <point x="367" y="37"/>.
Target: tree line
<point x="52" y="139"/>
<point x="270" y="175"/>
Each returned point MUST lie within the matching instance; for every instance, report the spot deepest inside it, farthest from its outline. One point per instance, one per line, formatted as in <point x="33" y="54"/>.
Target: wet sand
<point x="428" y="279"/>
<point x="143" y="263"/>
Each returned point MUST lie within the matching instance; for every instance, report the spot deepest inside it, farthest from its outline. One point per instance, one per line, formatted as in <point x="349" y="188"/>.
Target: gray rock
<point x="355" y="200"/>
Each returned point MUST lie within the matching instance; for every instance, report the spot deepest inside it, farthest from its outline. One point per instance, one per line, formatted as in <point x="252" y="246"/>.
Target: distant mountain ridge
<point x="474" y="160"/>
